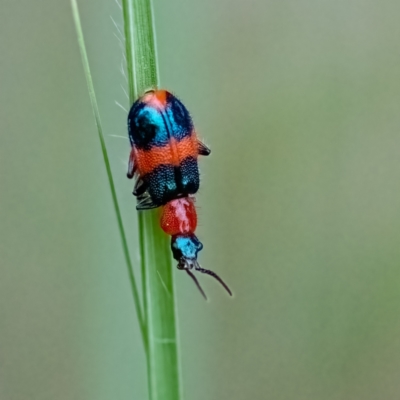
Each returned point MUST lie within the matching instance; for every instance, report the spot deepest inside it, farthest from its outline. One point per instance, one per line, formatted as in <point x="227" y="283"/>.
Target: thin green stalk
<point x="159" y="297"/>
<point x="96" y="113"/>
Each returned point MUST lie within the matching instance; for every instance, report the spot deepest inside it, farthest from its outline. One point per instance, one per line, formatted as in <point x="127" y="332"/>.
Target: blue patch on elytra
<point x="146" y="127"/>
<point x="149" y="126"/>
<point x="180" y="122"/>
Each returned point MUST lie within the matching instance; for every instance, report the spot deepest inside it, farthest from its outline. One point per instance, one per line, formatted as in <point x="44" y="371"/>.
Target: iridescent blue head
<point x="185" y="249"/>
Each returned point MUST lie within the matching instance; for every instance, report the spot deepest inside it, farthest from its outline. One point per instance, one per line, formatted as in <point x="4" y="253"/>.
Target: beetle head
<point x="185" y="249"/>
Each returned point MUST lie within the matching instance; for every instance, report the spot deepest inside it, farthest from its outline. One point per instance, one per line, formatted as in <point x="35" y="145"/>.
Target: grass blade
<point x="96" y="113"/>
<point x="159" y="297"/>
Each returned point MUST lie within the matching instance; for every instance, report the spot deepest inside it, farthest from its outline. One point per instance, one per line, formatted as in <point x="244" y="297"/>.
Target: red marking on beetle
<point x="156" y="99"/>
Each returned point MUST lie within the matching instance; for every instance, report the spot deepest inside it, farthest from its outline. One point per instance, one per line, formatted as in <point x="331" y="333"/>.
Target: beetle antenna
<point x="214" y="275"/>
<point x="196" y="282"/>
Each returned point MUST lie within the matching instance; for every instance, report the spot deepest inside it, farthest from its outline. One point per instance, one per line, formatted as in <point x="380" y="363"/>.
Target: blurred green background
<point x="299" y="206"/>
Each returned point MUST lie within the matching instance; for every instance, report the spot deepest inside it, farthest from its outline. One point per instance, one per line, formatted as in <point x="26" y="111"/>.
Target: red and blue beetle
<point x="165" y="149"/>
<point x="163" y="158"/>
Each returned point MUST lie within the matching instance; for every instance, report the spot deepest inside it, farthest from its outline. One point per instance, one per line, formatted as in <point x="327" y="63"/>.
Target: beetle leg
<point x="132" y="168"/>
<point x="145" y="203"/>
<point x="140" y="187"/>
<point x="203" y="149"/>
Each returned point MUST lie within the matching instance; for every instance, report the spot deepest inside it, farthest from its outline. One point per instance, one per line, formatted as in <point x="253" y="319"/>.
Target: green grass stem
<point x="96" y="113"/>
<point x="158" y="321"/>
<point x="157" y="274"/>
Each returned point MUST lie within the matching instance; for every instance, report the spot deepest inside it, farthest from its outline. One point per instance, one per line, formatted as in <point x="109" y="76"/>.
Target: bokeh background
<point x="299" y="205"/>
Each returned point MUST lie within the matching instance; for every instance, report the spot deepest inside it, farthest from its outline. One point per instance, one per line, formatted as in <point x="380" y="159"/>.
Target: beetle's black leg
<point x="140" y="187"/>
<point x="145" y="203"/>
<point x="131" y="165"/>
<point x="203" y="149"/>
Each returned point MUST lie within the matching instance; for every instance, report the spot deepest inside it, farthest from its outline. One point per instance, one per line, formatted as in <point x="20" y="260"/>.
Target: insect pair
<point x="163" y="158"/>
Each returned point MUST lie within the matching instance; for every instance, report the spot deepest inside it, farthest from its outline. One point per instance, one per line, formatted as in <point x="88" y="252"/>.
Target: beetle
<point x="165" y="149"/>
<point x="179" y="219"/>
